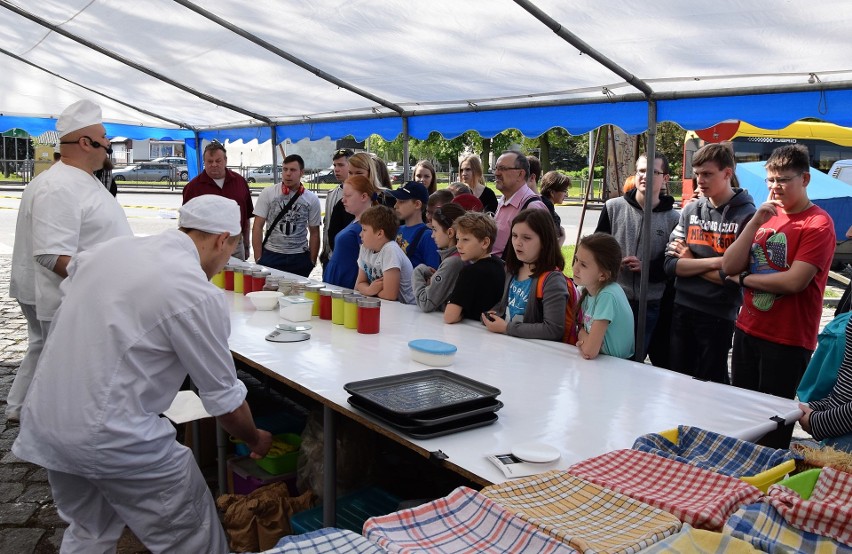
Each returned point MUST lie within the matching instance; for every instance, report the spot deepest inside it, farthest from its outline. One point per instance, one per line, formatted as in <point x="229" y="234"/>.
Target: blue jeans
<point x="300" y="263"/>
<point x="840" y="443"/>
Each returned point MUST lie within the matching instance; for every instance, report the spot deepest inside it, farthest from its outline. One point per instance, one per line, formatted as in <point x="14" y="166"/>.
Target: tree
<point x="670" y="137"/>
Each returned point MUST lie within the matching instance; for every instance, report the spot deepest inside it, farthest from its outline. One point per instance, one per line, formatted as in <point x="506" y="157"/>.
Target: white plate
<point x="536" y="452"/>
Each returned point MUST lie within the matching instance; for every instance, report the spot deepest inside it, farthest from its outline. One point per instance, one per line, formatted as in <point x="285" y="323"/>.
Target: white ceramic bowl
<point x="265" y="299"/>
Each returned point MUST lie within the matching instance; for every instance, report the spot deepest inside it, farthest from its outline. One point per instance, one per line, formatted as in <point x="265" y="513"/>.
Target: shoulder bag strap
<point x="281" y="214"/>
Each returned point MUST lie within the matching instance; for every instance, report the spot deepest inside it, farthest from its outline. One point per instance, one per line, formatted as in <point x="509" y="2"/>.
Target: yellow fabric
<point x="699" y="540"/>
<point x="584" y="515"/>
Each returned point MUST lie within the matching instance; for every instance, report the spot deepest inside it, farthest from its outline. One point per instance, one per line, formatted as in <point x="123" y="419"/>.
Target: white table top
<point x="582" y="407"/>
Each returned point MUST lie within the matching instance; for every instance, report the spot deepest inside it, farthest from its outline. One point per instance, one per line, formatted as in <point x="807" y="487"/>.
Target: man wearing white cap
<point x="65" y="210"/>
<point x="122" y="343"/>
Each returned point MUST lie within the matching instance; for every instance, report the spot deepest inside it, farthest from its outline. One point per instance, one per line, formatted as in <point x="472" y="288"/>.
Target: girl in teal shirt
<point x="607" y="321"/>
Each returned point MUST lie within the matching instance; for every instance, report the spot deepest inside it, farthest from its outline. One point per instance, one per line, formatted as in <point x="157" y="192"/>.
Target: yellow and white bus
<point x="827" y="143"/>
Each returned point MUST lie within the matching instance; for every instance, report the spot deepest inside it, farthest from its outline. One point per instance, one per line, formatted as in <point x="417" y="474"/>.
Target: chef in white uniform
<point x="138" y="315"/>
<point x="63" y="211"/>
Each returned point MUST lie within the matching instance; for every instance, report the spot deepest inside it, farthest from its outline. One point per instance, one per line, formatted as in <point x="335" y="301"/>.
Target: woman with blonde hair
<point x="362" y="164"/>
<point x="470" y="173"/>
<point x="424" y="172"/>
<point x="359" y="193"/>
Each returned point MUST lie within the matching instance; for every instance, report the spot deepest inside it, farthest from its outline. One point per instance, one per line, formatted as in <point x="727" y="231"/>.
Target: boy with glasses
<point x="623" y="218"/>
<point x="781" y="261"/>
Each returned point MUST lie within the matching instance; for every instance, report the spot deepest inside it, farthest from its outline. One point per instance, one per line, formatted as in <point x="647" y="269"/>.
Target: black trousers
<point x="772" y="368"/>
<point x="700" y="344"/>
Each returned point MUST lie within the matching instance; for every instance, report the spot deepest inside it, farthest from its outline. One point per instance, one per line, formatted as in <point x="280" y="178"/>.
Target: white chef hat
<point x="211" y="213"/>
<point x="82" y="113"/>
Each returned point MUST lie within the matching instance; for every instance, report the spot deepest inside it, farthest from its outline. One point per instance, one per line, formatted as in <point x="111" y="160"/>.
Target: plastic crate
<point x="352" y="511"/>
<point x="244" y="476"/>
<point x="277" y="424"/>
<point x="762" y="480"/>
<point x="285" y="463"/>
<point x="803" y="483"/>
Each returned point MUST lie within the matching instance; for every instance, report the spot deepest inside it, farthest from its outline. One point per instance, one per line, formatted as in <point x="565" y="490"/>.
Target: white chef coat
<point x="22" y="278"/>
<point x="71" y="212"/>
<point x="138" y="315"/>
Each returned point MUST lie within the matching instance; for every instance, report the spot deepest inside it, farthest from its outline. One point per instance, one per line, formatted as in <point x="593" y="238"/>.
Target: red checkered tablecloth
<point x="702" y="498"/>
<point x="828" y="511"/>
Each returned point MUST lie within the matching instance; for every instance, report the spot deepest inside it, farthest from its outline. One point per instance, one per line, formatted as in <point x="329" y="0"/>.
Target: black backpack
<point x="557" y="221"/>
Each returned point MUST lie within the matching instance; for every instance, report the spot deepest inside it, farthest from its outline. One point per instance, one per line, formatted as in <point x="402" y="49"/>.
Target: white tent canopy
<point x="309" y="66"/>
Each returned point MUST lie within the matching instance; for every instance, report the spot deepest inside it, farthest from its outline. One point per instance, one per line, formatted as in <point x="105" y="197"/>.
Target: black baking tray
<point x="439" y="430"/>
<point x="422" y="394"/>
<point x="437" y="418"/>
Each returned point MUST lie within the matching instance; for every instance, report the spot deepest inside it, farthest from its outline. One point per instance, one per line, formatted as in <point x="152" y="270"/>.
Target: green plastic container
<point x="803" y="483"/>
<point x="286" y="463"/>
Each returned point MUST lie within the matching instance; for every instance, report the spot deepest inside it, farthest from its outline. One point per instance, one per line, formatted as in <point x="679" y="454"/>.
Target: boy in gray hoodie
<point x="623" y="218"/>
<point x="706" y="303"/>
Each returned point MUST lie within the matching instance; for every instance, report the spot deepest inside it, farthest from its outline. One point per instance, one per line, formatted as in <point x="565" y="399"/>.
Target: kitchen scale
<point x="287" y="336"/>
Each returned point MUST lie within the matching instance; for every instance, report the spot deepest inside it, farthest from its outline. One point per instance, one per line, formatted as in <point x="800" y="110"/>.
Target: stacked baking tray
<point x="426" y="404"/>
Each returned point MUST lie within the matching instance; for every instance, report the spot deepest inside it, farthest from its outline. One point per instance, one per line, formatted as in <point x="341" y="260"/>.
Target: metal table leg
<point x="329" y="486"/>
<point x="221" y="454"/>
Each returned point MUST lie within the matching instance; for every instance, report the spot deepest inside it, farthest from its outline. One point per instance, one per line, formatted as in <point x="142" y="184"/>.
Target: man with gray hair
<point x="121" y="345"/>
<point x="511" y="174"/>
<point x="64" y="211"/>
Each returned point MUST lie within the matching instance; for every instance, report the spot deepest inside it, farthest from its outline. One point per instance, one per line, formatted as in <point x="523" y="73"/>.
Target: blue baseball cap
<point x="412" y="190"/>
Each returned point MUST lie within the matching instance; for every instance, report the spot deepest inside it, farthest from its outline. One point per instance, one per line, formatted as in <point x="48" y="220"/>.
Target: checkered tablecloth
<point x="326" y="541"/>
<point x="719" y="453"/>
<point x="693" y="540"/>
<point x="462" y="522"/>
<point x="702" y="498"/>
<point x="582" y="514"/>
<point x="763" y="527"/>
<point x="828" y="512"/>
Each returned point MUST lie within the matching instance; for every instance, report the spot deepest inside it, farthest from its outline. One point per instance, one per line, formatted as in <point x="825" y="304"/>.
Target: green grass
<point x="568" y="254"/>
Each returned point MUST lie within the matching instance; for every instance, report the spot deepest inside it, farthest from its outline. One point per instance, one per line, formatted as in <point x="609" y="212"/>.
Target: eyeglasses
<point x="504" y="168"/>
<point x="781" y="181"/>
<point x="644" y="171"/>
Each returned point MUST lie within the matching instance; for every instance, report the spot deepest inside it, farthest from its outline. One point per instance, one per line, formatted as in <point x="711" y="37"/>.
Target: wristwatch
<point x="743" y="275"/>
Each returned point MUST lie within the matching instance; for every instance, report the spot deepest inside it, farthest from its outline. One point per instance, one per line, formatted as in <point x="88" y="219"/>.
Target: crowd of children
<point x="435" y="251"/>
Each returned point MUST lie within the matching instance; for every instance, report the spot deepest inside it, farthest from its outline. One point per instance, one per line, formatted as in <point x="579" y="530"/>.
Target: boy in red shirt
<point x="781" y="260"/>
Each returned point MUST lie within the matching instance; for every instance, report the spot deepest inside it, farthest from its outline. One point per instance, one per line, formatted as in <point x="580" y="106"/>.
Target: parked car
<point x="145" y="171"/>
<point x="322" y="176"/>
<point x="262" y="174"/>
<point x="178" y="162"/>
